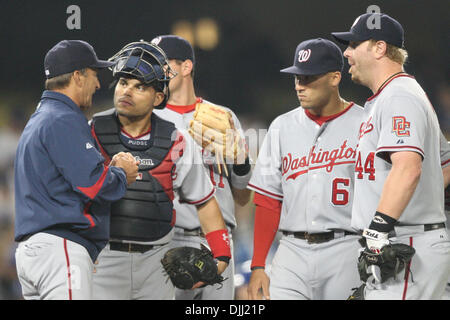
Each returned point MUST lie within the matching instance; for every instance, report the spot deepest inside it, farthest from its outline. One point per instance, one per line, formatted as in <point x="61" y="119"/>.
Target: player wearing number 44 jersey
<point x="303" y="180"/>
<point x="399" y="196"/>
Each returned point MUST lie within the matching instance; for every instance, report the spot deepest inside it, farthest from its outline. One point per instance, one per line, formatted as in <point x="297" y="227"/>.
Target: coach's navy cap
<point x="376" y="26"/>
<point x="175" y="47"/>
<point x="316" y="56"/>
<point x="70" y="55"/>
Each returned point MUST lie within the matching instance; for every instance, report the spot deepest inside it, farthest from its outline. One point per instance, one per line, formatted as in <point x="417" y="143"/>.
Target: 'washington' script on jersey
<point x="326" y="159"/>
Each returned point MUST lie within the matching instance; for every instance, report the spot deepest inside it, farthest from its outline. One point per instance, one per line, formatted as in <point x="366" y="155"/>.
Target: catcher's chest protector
<point x="146" y="211"/>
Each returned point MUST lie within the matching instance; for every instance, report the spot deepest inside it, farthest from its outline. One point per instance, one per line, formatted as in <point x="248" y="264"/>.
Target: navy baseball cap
<point x="70" y="55"/>
<point x="388" y="29"/>
<point x="316" y="56"/>
<point x="175" y="47"/>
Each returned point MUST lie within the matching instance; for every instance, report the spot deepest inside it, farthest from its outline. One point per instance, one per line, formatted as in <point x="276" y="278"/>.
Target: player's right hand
<point x="258" y="280"/>
<point x="128" y="163"/>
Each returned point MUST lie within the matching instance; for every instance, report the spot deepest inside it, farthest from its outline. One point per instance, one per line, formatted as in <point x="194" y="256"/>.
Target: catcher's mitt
<point x="358" y="293"/>
<point x="213" y="129"/>
<point x="392" y="259"/>
<point x="186" y="266"/>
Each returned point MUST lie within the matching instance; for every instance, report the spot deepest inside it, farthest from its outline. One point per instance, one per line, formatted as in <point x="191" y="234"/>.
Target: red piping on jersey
<point x="163" y="172"/>
<point x="102" y="151"/>
<point x="407" y="271"/>
<point x="321" y="119"/>
<point x="401" y="147"/>
<point x="202" y="200"/>
<point x="138" y="136"/>
<point x="445" y="162"/>
<point x="384" y="86"/>
<point x="68" y="268"/>
<point x="88" y="215"/>
<point x="268" y="192"/>
<point x="92" y="191"/>
<point x="184" y="109"/>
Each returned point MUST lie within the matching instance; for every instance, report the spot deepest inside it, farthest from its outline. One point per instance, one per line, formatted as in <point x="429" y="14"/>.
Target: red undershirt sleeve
<point x="267" y="219"/>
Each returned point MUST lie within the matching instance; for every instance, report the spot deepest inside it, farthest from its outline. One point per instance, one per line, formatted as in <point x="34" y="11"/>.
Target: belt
<point x="198" y="231"/>
<point x="433" y="226"/>
<point x="194" y="232"/>
<point x="426" y="227"/>
<point x="130" y="247"/>
<point x="318" y="237"/>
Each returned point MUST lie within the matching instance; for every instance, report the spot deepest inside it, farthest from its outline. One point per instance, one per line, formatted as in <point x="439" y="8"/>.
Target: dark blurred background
<point x="240" y="47"/>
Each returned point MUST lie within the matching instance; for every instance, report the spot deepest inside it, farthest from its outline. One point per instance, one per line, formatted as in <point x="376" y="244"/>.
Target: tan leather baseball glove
<point x="213" y="129"/>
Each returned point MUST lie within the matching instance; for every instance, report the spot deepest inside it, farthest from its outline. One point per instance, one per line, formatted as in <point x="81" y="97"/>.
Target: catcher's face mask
<point x="145" y="62"/>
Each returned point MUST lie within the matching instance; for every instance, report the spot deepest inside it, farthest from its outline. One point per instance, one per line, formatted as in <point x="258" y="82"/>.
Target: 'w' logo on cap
<point x="303" y="55"/>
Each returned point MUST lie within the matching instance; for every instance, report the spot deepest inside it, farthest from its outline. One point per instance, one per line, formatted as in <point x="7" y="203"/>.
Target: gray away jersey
<point x="310" y="168"/>
<point x="400" y="118"/>
<point x="187" y="217"/>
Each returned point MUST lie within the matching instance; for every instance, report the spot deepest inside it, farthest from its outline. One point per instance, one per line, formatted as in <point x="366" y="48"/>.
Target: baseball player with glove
<point x="303" y="182"/>
<point x="136" y="263"/>
<point x="59" y="176"/>
<point x="399" y="187"/>
<point x="218" y="131"/>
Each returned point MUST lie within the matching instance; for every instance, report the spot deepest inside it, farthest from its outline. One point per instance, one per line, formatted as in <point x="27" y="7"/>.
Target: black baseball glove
<point x="392" y="260"/>
<point x="186" y="266"/>
<point x="358" y="293"/>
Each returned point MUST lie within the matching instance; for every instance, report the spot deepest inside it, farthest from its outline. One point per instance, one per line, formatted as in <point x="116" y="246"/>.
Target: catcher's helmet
<point x="145" y="62"/>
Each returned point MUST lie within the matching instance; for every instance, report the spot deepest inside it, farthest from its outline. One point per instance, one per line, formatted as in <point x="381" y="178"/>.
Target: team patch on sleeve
<point x="400" y="126"/>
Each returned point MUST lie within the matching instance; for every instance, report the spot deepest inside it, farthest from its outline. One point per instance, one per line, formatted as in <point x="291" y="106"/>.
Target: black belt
<point x="130" y="247"/>
<point x="317" y="237"/>
<point x="194" y="232"/>
<point x="198" y="231"/>
<point x="426" y="227"/>
<point x="433" y="226"/>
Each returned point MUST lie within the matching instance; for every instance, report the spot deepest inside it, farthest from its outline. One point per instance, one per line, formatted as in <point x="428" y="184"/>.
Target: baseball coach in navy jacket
<point x="59" y="176"/>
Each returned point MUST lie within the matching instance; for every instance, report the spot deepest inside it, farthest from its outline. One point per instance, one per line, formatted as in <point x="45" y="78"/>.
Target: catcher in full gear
<point x="142" y="221"/>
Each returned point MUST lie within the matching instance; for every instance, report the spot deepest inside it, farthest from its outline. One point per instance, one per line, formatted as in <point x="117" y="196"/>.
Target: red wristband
<point x="219" y="242"/>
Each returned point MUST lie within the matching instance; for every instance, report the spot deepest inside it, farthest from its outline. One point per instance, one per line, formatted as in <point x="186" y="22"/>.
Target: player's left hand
<point x="190" y="268"/>
<point x="375" y="268"/>
<point x="259" y="282"/>
<point x="375" y="240"/>
<point x="213" y="129"/>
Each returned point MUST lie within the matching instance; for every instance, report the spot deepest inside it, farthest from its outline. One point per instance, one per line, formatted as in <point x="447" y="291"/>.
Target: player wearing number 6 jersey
<point x="303" y="180"/>
<point x="399" y="195"/>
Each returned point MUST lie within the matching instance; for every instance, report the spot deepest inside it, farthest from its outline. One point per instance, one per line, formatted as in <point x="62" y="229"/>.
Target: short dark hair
<point x="61" y="81"/>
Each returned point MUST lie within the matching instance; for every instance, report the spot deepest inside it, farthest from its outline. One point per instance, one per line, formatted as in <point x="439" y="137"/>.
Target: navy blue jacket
<point x="60" y="176"/>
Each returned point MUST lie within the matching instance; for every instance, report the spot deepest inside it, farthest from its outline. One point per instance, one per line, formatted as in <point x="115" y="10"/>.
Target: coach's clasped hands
<point x="128" y="163"/>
